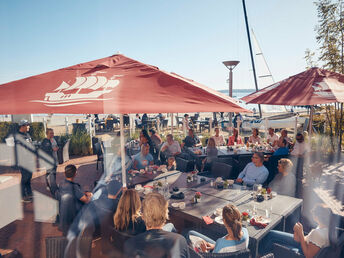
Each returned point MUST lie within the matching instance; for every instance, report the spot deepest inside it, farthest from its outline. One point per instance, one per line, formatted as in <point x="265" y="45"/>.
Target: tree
<point x="330" y="37"/>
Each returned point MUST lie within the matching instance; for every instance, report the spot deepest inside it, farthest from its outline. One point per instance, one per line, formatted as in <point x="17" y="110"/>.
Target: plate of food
<point x="262" y="219"/>
<point x="218" y="212"/>
<point x="219" y="219"/>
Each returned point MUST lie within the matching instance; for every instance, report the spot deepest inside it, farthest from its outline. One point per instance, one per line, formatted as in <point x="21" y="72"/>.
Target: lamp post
<point x="230" y="65"/>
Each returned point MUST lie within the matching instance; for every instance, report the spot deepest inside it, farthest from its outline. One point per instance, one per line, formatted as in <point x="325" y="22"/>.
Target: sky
<point x="190" y="38"/>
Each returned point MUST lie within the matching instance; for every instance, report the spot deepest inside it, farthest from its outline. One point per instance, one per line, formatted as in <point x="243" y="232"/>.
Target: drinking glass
<point x="254" y="209"/>
<point x="244" y="186"/>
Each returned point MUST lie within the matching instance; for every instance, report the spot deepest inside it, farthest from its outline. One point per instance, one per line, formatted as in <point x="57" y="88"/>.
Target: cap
<point x="23" y="122"/>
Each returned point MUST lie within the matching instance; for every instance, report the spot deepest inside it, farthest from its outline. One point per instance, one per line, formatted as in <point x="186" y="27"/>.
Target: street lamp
<point x="230" y="65"/>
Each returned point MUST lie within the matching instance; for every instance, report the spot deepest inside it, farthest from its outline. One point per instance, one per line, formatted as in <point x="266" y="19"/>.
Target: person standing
<point x="237" y="121"/>
<point x="49" y="146"/>
<point x="25" y="158"/>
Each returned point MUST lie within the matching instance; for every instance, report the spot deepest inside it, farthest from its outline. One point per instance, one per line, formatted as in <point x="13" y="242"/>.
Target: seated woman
<point x="171" y="164"/>
<point x="155" y="137"/>
<point x="211" y="154"/>
<point x="283" y="149"/>
<point x="308" y="245"/>
<point x="285" y="182"/>
<point x="153" y="149"/>
<point x="128" y="215"/>
<point x="143" y="159"/>
<point x="236" y="239"/>
<point x="235" y="138"/>
<point x="254" y="138"/>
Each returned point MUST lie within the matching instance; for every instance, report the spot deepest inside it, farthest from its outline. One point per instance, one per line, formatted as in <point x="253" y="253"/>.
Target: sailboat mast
<point x="251" y="53"/>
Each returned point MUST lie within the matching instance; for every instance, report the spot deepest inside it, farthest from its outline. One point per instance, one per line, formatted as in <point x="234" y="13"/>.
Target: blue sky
<point x="191" y="37"/>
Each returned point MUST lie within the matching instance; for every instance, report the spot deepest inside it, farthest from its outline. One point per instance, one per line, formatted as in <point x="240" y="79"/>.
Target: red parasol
<point x="115" y="84"/>
<point x="311" y="87"/>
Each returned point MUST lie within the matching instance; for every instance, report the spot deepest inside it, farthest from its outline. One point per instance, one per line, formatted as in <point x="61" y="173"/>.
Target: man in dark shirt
<point x="191" y="140"/>
<point x="25" y="158"/>
<point x="69" y="209"/>
<point x="96" y="217"/>
<point x="155" y="242"/>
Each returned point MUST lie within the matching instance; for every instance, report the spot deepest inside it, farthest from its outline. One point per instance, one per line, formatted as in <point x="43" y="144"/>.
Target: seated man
<point x="171" y="147"/>
<point x="283" y="149"/>
<point x="97" y="216"/>
<point x="300" y="147"/>
<point x="285" y="181"/>
<point x="144" y="158"/>
<point x="254" y="172"/>
<point x="69" y="188"/>
<point x="156" y="242"/>
<point x="284" y="135"/>
<point x="191" y="140"/>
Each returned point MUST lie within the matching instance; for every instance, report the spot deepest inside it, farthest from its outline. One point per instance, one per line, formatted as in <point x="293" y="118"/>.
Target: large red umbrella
<point x="115" y="84"/>
<point x="311" y="87"/>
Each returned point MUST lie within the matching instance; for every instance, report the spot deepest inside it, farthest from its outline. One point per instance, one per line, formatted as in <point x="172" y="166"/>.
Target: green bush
<point x="5" y="128"/>
<point x="80" y="144"/>
<point x="36" y="130"/>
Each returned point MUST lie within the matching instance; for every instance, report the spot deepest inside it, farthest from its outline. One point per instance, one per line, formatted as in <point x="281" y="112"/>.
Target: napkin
<point x="253" y="222"/>
<point x="207" y="220"/>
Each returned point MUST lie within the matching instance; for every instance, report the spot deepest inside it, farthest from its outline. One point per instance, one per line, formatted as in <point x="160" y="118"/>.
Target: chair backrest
<point x="219" y="169"/>
<point x="67" y="212"/>
<point x="55" y="246"/>
<point x="243" y="160"/>
<point x="98" y="149"/>
<point x="118" y="239"/>
<point x="65" y="152"/>
<point x="239" y="254"/>
<point x="184" y="165"/>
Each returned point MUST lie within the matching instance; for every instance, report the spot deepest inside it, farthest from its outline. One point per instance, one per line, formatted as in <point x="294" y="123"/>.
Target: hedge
<point x="36" y="130"/>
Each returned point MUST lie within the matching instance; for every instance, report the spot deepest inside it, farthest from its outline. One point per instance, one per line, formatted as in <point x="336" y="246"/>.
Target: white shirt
<point x="318" y="237"/>
<point x="172" y="148"/>
<point x="272" y="138"/>
<point x="219" y="141"/>
<point x="299" y="149"/>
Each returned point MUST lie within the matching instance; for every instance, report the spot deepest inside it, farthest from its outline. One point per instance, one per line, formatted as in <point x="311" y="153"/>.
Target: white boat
<point x="282" y="121"/>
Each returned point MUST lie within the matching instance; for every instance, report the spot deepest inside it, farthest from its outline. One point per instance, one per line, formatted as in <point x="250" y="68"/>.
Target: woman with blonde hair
<point x="128" y="214"/>
<point x="211" y="154"/>
<point x="285" y="181"/>
<point x="236" y="239"/>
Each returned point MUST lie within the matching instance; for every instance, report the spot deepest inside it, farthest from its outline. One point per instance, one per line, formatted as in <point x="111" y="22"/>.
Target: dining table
<point x="276" y="210"/>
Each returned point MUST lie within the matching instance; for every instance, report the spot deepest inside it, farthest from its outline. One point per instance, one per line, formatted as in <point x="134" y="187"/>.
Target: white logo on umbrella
<point x="98" y="85"/>
<point x="322" y="89"/>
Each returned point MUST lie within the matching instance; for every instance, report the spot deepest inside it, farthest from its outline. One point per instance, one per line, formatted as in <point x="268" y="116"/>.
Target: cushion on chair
<point x="238" y="254"/>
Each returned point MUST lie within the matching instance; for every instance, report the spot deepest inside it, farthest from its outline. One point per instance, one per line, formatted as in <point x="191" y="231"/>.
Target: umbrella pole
<point x="172" y="123"/>
<point x="124" y="173"/>
<point x="311" y="121"/>
<point x="295" y="126"/>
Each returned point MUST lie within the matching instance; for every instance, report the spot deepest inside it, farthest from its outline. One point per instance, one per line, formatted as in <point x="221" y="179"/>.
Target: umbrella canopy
<point x="311" y="87"/>
<point x="115" y="84"/>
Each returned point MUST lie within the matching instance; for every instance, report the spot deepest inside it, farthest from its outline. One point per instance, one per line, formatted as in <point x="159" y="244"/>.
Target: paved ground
<point x="27" y="235"/>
